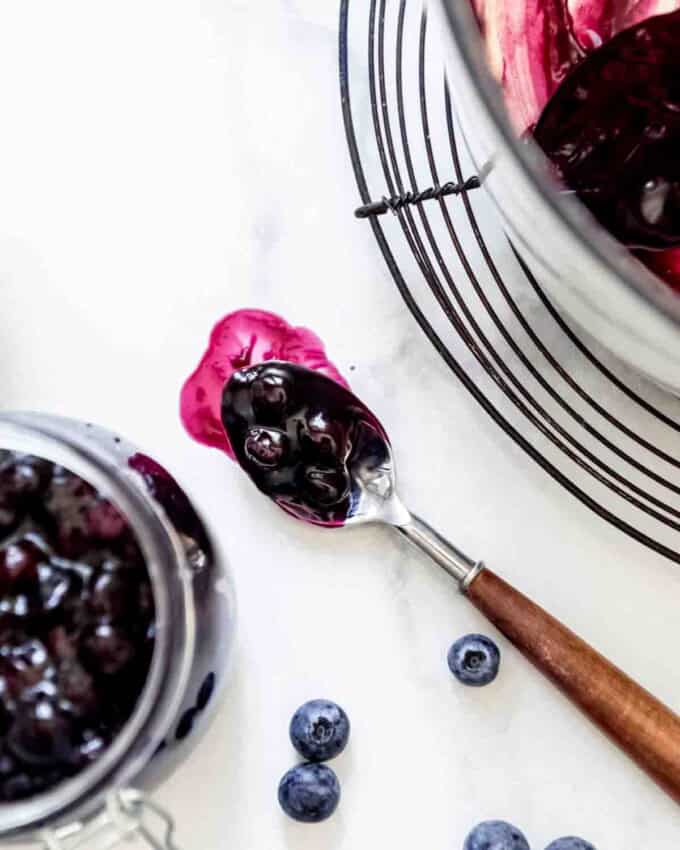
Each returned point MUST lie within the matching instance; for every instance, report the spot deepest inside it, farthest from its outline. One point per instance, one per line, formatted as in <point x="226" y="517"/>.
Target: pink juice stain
<point x="244" y="338"/>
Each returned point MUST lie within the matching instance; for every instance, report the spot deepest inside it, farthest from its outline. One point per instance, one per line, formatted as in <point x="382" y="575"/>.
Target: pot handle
<point x="128" y="814"/>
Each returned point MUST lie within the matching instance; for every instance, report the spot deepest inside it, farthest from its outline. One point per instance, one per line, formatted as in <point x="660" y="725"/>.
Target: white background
<point x="162" y="163"/>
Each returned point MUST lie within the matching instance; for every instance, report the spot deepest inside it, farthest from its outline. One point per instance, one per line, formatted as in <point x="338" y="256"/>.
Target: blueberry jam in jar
<point x="117" y="617"/>
<point x="76" y="624"/>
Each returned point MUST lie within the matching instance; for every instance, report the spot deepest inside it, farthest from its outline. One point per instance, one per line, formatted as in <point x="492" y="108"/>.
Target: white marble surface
<point x="162" y="163"/>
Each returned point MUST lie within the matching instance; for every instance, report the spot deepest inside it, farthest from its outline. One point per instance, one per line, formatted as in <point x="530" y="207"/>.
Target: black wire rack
<point x="604" y="433"/>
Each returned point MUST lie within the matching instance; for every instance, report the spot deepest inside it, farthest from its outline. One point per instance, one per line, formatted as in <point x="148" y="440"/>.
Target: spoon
<point x="322" y="456"/>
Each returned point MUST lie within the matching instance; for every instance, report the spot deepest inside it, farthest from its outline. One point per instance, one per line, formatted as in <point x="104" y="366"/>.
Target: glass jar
<point x="195" y="609"/>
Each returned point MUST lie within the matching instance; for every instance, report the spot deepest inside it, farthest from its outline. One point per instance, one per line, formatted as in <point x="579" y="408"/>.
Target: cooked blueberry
<point x="322" y="423"/>
<point x="145" y="602"/>
<point x="174" y="501"/>
<point x="90" y="748"/>
<point x="40" y="735"/>
<point x="7" y="706"/>
<point x="104" y="520"/>
<point x="570" y="843"/>
<point x="68" y="501"/>
<point x="111" y="595"/>
<point x="319" y="730"/>
<point x="30" y="663"/>
<point x="9" y="513"/>
<point x="8" y="765"/>
<point x="44" y="689"/>
<point x="265" y="446"/>
<point x="270" y="394"/>
<point x="321" y="435"/>
<point x="61" y="644"/>
<point x="20" y="606"/>
<point x="106" y="561"/>
<point x="55" y="585"/>
<point x="474" y="660"/>
<point x="17" y="787"/>
<point x="309" y="792"/>
<point x="495" y="835"/>
<point x="19" y="564"/>
<point x="23" y="475"/>
<point x="77" y="688"/>
<point x="327" y="485"/>
<point x="108" y="649"/>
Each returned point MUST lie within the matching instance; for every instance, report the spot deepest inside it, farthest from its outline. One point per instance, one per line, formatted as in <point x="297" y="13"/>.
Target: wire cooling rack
<point x="605" y="434"/>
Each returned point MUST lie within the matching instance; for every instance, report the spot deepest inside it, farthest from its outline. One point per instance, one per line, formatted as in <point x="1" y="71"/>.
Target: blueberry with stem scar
<point x="319" y="730"/>
<point x="474" y="660"/>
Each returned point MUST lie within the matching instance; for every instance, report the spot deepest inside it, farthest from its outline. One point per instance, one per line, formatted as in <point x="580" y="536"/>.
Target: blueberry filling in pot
<point x="612" y="130"/>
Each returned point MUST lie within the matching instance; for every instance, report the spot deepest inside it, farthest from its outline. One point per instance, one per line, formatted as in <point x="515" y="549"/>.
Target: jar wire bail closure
<point x="128" y="814"/>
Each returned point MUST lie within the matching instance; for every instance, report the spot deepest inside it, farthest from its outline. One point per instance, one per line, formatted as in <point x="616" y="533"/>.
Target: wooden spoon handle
<point x="643" y="727"/>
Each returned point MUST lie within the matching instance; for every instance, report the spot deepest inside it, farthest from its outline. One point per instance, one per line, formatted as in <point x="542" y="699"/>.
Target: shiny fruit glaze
<point x="76" y="624"/>
<point x="297" y="435"/>
<point x="612" y="132"/>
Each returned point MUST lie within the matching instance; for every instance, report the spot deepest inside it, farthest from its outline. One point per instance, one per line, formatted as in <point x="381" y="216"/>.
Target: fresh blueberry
<point x="495" y="835"/>
<point x="319" y="730"/>
<point x="570" y="843"/>
<point x="474" y="660"/>
<point x="309" y="792"/>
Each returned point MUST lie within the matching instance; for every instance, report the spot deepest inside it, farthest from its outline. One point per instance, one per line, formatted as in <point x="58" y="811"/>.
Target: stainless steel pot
<point x="195" y="625"/>
<point x="588" y="274"/>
